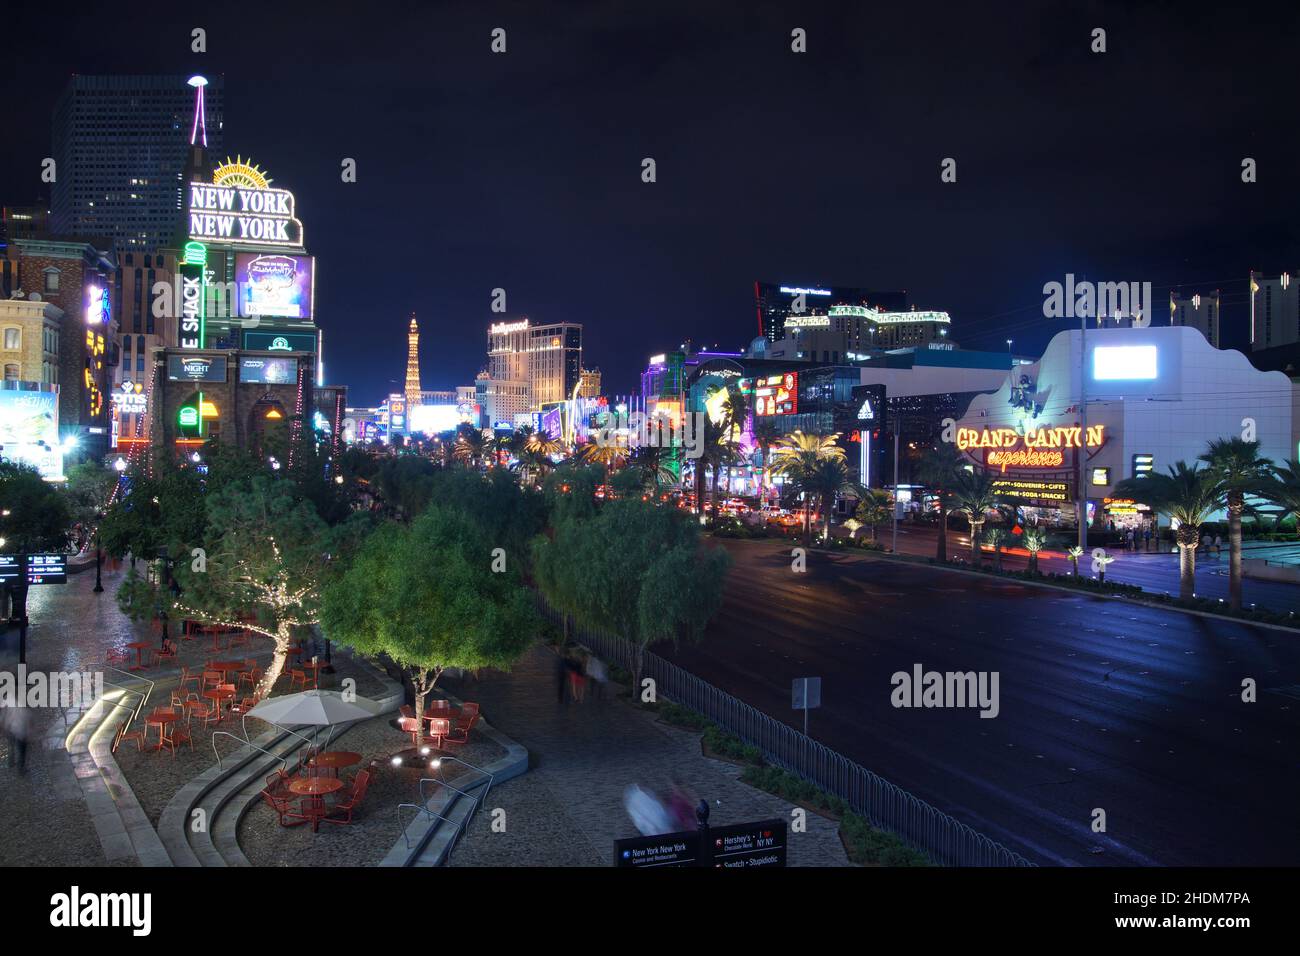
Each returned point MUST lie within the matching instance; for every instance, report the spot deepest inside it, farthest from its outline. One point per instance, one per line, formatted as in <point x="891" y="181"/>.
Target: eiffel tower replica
<point x="412" y="366"/>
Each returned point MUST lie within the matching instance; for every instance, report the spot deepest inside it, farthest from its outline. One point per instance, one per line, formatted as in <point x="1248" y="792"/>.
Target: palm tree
<point x="828" y="481"/>
<point x="1240" y="470"/>
<point x="938" y="469"/>
<point x="717" y="454"/>
<point x="606" y="453"/>
<point x="1188" y="495"/>
<point x="996" y="536"/>
<point x="766" y="434"/>
<point x="652" y="462"/>
<point x="973" y="495"/>
<point x="735" y="409"/>
<point x="874" y="509"/>
<point x="1283" y="489"/>
<point x="796" y="457"/>
<point x="1035" y="539"/>
<point x="469" y="447"/>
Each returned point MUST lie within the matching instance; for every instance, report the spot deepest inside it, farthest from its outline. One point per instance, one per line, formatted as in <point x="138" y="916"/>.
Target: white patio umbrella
<point x="315" y="708"/>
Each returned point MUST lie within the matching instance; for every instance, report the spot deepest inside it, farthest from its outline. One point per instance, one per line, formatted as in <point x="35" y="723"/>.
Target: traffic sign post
<point x="740" y="846"/>
<point x="805" y="694"/>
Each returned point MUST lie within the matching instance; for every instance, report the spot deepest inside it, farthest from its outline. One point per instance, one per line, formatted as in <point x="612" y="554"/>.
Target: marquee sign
<point x="243" y="214"/>
<point x="1036" y="448"/>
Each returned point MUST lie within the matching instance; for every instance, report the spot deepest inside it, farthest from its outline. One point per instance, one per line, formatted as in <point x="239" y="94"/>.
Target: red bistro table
<point x="218" y="697"/>
<point x="226" y="667"/>
<point x="334" y="760"/>
<point x="140" y="647"/>
<point x="315" y="788"/>
<point x="160" y="721"/>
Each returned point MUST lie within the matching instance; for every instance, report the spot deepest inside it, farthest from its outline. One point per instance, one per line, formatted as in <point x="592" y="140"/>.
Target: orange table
<point x="315" y="788"/>
<point x="140" y="647"/>
<point x="226" y="667"/>
<point x="160" y="721"/>
<point x="218" y="696"/>
<point x="335" y="759"/>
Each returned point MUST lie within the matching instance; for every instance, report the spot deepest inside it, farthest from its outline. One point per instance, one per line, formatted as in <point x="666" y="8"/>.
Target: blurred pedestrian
<point x="1218" y="546"/>
<point x="648" y="815"/>
<point x="561" y="674"/>
<point x="597" y="675"/>
<point x="577" y="680"/>
<point x="17" y="727"/>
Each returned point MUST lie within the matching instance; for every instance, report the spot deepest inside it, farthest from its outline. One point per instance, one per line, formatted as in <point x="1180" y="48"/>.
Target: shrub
<point x="871" y="847"/>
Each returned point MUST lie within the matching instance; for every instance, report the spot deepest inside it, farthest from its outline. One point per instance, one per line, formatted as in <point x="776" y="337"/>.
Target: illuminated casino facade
<point x="244" y="359"/>
<point x="1155" y="396"/>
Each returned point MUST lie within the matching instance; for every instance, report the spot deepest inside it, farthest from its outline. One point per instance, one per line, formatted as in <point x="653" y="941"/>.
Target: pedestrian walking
<point x="561" y="675"/>
<point x="597" y="676"/>
<point x="1146" y="538"/>
<point x="1218" y="546"/>
<point x="17" y="726"/>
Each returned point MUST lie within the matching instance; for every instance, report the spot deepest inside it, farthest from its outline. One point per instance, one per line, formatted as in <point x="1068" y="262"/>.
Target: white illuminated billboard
<point x="1113" y="363"/>
<point x="434" y="419"/>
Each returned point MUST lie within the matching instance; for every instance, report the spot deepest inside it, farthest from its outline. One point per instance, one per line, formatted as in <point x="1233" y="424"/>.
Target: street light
<point x="99" y="555"/>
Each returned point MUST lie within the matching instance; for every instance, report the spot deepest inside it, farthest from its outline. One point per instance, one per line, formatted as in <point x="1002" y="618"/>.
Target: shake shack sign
<point x="240" y="214"/>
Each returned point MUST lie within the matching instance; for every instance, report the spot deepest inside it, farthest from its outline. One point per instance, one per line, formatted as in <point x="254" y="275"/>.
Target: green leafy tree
<point x="34" y="518"/>
<point x="635" y="570"/>
<point x="1240" y="470"/>
<point x="651" y="465"/>
<point x="89" y="487"/>
<point x="261" y="565"/>
<point x="1188" y="495"/>
<point x="427" y="597"/>
<point x="997" y="536"/>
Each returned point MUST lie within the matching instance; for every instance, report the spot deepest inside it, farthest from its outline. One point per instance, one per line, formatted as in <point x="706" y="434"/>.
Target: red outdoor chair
<point x="411" y="726"/>
<point x="460" y="733"/>
<point x="469" y="710"/>
<point x="125" y="733"/>
<point x="116" y="656"/>
<point x="439" y="727"/>
<point x="351" y="802"/>
<point x="251" y="674"/>
<point x="188" y="677"/>
<point x="297" y="677"/>
<point x="406" y="710"/>
<point x="211" y="680"/>
<point x="166" y="653"/>
<point x="282" y="802"/>
<point x="179" y="734"/>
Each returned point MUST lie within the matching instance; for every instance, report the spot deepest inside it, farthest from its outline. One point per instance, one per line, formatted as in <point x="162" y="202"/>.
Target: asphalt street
<point x="1103" y="704"/>
<point x="1152" y="571"/>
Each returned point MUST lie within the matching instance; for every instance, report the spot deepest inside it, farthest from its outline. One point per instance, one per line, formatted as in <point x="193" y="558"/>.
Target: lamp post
<point x="99" y="556"/>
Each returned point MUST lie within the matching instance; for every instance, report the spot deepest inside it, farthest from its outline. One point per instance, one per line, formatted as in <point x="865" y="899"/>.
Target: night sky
<point x="522" y="170"/>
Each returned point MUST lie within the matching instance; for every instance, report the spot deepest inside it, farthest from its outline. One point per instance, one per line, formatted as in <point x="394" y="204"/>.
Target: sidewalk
<point x="568" y="809"/>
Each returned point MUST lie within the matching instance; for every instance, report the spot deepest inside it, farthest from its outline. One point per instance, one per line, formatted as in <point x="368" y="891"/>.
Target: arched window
<point x="11" y="373"/>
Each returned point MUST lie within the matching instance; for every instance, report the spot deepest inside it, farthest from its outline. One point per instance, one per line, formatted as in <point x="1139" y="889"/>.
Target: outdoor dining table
<point x="140" y="647"/>
<point x="315" y="788"/>
<point x="334" y="760"/>
<point x="218" y="696"/>
<point x="226" y="667"/>
<point x="160" y="720"/>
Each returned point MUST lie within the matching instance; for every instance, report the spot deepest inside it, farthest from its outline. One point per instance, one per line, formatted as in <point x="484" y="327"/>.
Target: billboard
<point x="434" y="419"/>
<point x="220" y="213"/>
<point x="29" y="431"/>
<point x="268" y="371"/>
<point x="274" y="285"/>
<point x="196" y="368"/>
<point x="257" y="340"/>
<point x="776" y="394"/>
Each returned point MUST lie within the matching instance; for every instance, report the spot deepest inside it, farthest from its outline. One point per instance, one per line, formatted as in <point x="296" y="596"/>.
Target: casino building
<point x="1154" y="396"/>
<point x="245" y="362"/>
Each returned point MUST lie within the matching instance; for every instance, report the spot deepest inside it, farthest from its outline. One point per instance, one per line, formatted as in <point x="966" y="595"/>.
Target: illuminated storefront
<point x="1155" y="396"/>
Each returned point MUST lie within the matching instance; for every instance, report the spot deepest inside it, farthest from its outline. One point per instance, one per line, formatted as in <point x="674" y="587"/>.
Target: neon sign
<point x="242" y="214"/>
<point x="1036" y="448"/>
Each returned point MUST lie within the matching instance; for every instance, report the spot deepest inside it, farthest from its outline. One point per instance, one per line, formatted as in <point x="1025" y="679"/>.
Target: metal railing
<point x="945" y="840"/>
<point x="427" y="812"/>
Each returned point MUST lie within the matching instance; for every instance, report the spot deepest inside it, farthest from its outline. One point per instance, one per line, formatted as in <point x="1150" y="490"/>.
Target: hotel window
<point x="11" y="373"/>
<point x="13" y="338"/>
<point x="51" y="280"/>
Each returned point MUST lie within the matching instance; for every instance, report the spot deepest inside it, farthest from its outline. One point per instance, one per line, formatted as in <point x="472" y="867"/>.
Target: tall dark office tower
<point x="120" y="146"/>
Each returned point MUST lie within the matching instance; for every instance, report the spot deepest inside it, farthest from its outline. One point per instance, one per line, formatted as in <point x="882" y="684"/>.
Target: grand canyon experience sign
<point x="1036" y="448"/>
<point x="243" y="214"/>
